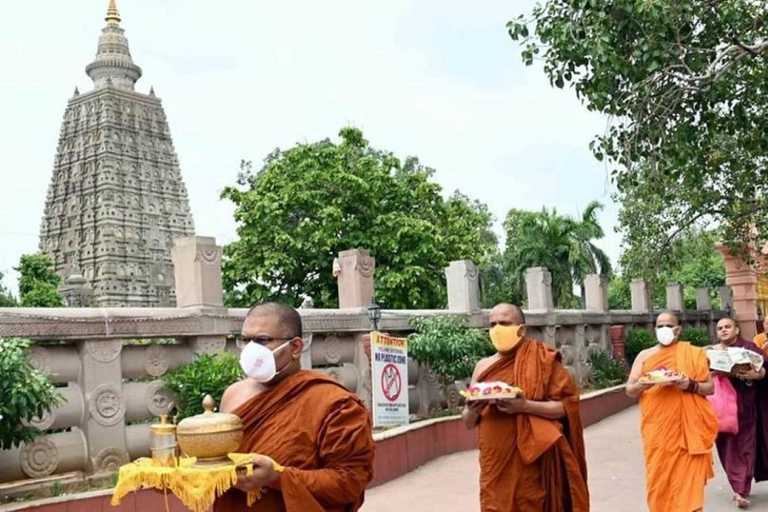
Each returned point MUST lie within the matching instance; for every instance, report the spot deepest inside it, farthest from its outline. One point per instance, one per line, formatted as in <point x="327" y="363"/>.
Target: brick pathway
<point x="616" y="478"/>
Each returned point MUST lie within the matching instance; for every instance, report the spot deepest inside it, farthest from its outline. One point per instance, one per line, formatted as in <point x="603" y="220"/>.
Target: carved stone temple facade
<point x="116" y="200"/>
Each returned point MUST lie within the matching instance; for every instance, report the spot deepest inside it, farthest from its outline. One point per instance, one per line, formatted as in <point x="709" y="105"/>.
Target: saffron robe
<point x="321" y="433"/>
<point x="678" y="430"/>
<point x="744" y="456"/>
<point x="529" y="463"/>
<point x="760" y="340"/>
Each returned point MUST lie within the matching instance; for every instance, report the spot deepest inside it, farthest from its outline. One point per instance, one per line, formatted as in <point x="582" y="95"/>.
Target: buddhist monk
<point x="761" y="340"/>
<point x="744" y="455"/>
<point x="531" y="448"/>
<point x="303" y="420"/>
<point x="678" y="424"/>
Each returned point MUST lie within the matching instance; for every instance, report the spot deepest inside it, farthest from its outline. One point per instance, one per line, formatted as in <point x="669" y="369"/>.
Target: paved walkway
<point x="616" y="478"/>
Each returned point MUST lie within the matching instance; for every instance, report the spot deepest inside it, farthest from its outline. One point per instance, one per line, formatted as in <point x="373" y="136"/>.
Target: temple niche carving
<point x="116" y="199"/>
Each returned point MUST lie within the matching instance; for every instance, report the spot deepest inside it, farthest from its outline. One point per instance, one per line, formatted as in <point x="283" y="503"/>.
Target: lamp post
<point x="374" y="315"/>
<point x="728" y="310"/>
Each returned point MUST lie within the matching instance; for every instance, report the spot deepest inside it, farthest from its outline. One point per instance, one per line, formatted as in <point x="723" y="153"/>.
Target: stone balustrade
<point x="112" y="384"/>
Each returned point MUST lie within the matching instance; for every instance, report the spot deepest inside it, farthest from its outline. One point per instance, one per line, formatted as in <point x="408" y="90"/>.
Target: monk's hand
<point x="512" y="405"/>
<point x="751" y="374"/>
<point x="683" y="383"/>
<point x="475" y="405"/>
<point x="264" y="474"/>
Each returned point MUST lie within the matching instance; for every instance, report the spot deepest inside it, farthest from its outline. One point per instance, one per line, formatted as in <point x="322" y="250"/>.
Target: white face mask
<point x="258" y="361"/>
<point x="665" y="335"/>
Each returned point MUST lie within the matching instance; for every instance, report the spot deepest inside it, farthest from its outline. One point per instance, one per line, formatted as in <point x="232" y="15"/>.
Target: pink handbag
<point x="725" y="402"/>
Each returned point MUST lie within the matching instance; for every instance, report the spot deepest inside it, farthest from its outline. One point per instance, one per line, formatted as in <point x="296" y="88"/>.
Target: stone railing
<point x="112" y="385"/>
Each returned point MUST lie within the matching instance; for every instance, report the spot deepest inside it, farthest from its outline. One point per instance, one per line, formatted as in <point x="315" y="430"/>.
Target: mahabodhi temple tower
<point x="116" y="199"/>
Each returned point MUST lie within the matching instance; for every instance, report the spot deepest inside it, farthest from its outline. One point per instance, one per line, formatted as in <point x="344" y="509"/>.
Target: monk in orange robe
<point x="761" y="340"/>
<point x="303" y="420"/>
<point x="678" y="424"/>
<point x="531" y="448"/>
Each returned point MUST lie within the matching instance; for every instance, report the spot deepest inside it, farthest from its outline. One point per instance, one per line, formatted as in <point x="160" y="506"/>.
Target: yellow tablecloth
<point x="196" y="487"/>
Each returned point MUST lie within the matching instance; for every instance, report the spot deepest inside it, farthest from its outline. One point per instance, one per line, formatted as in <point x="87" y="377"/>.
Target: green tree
<point x="6" y="299"/>
<point x="38" y="282"/>
<point x="692" y="260"/>
<point x="27" y="394"/>
<point x="563" y="244"/>
<point x="683" y="86"/>
<point x="309" y="202"/>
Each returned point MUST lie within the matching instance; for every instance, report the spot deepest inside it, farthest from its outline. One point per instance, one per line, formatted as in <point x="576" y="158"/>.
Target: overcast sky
<point x="441" y="80"/>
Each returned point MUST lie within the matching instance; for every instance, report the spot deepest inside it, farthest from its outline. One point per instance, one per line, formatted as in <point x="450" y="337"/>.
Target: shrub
<point x="25" y="394"/>
<point x="695" y="337"/>
<point x="636" y="341"/>
<point x="605" y="370"/>
<point x="448" y="345"/>
<point x="207" y="375"/>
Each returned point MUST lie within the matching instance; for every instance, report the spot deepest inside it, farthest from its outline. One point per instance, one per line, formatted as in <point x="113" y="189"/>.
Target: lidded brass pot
<point x="210" y="436"/>
<point x="162" y="442"/>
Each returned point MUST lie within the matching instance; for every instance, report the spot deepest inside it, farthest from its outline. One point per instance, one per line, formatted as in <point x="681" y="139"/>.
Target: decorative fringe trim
<point x="197" y="488"/>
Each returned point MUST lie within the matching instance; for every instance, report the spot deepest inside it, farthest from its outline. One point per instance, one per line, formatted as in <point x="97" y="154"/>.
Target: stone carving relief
<point x="40" y="458"/>
<point x="104" y="351"/>
<point x="155" y="360"/>
<point x="40" y="359"/>
<point x="44" y="422"/>
<point x="209" y="256"/>
<point x="209" y="345"/>
<point x="365" y="265"/>
<point x="110" y="459"/>
<point x="159" y="400"/>
<point x="332" y="350"/>
<point x="107" y="405"/>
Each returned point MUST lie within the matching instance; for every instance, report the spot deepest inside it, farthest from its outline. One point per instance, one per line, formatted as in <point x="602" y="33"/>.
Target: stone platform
<point x="616" y="477"/>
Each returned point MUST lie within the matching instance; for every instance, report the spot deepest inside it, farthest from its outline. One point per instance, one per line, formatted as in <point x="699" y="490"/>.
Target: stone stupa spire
<point x="113" y="65"/>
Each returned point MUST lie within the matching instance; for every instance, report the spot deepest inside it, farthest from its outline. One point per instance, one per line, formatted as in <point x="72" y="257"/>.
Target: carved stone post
<point x="76" y="292"/>
<point x="725" y="293"/>
<point x="675" y="297"/>
<point x="197" y="272"/>
<point x="463" y="281"/>
<point x="742" y="280"/>
<point x="596" y="291"/>
<point x="101" y="380"/>
<point x="538" y="285"/>
<point x="354" y="270"/>
<point x="703" y="298"/>
<point x="641" y="297"/>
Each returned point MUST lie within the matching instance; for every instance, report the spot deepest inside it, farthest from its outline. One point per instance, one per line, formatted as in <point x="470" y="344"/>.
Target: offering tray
<point x="491" y="391"/>
<point x="197" y="485"/>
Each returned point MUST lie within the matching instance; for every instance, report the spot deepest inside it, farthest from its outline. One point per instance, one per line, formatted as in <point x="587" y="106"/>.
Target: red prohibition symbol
<point x="391" y="382"/>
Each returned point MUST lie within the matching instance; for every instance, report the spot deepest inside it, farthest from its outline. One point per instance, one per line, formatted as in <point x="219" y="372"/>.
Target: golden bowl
<point x="210" y="436"/>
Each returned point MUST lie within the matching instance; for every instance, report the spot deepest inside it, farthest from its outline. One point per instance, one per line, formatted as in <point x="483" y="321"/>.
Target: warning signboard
<point x="389" y="365"/>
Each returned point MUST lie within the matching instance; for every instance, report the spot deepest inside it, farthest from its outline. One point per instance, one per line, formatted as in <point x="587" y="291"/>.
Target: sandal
<point x="740" y="501"/>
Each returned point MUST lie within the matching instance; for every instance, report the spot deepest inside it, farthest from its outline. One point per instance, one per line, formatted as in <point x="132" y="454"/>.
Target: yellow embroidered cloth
<point x="196" y="487"/>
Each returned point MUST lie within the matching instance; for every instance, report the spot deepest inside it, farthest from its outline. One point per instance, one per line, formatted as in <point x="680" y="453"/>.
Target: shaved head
<point x="288" y="319"/>
<point x="667" y="319"/>
<point x="507" y="314"/>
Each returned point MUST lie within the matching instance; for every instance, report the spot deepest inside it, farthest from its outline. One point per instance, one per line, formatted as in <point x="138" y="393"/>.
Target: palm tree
<point x="585" y="257"/>
<point x="562" y="244"/>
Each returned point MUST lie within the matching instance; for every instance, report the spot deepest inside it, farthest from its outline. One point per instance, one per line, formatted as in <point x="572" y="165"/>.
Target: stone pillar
<point x="76" y="292"/>
<point x="641" y="297"/>
<point x="726" y="297"/>
<point x="742" y="279"/>
<point x="618" y="335"/>
<point x="703" y="298"/>
<point x="104" y="423"/>
<point x="463" y="281"/>
<point x="675" y="297"/>
<point x="538" y="286"/>
<point x="197" y="272"/>
<point x="596" y="291"/>
<point x="354" y="270"/>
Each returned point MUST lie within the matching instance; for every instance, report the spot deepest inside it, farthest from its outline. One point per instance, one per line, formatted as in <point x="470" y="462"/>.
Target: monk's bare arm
<point x="470" y="414"/>
<point x="550" y="409"/>
<point x="634" y="388"/>
<point x="706" y="387"/>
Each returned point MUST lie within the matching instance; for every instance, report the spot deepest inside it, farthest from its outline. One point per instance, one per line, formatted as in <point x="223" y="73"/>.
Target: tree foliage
<point x="26" y="394"/>
<point x="38" y="282"/>
<point x="692" y="260"/>
<point x="314" y="200"/>
<point x="683" y="84"/>
<point x="6" y="298"/>
<point x="562" y="244"/>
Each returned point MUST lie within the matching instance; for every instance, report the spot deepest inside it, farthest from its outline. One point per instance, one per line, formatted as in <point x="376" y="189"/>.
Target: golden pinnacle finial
<point x="113" y="15"/>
